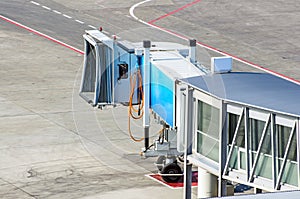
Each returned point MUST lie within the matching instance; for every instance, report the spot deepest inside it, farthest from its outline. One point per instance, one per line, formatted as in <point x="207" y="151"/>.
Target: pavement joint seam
<point x="20" y="188"/>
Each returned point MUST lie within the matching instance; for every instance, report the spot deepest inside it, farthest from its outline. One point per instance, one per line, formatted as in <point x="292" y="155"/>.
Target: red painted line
<point x="174" y="11"/>
<point x="41" y="34"/>
<point x="174" y="185"/>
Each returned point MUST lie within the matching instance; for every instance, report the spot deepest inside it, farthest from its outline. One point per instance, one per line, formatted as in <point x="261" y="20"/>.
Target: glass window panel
<point x="199" y="142"/>
<point x="264" y="167"/>
<point x="232" y="122"/>
<point x="242" y="160"/>
<point x="292" y="155"/>
<point x="253" y="157"/>
<point x="266" y="146"/>
<point x="234" y="158"/>
<point x="208" y="119"/>
<point x="290" y="174"/>
<point x="208" y="147"/>
<point x="283" y="133"/>
<point x="256" y="129"/>
<point x="240" y="140"/>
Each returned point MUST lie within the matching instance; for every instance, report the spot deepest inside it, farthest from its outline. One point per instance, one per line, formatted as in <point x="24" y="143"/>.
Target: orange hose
<point x="131" y="108"/>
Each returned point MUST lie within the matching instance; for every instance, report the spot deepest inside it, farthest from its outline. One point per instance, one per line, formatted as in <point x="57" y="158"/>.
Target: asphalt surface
<point x="54" y="145"/>
<point x="264" y="33"/>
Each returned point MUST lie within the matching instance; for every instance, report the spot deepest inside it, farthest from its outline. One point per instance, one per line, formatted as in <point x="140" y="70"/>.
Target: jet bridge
<point x="143" y="77"/>
<point x="246" y="129"/>
<point x="107" y="66"/>
<point x="234" y="126"/>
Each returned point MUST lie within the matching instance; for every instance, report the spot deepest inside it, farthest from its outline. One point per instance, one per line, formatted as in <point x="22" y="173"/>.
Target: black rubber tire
<point x="160" y="160"/>
<point x="171" y="168"/>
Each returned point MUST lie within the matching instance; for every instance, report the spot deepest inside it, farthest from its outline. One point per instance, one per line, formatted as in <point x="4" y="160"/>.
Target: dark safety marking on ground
<point x="174" y="185"/>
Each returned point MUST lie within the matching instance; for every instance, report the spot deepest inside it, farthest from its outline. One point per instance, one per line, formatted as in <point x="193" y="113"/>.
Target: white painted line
<point x="92" y="26"/>
<point x="57" y="12"/>
<point x="35" y="3"/>
<point x="47" y="8"/>
<point x="81" y="22"/>
<point x="41" y="34"/>
<point x="131" y="11"/>
<point x="67" y="16"/>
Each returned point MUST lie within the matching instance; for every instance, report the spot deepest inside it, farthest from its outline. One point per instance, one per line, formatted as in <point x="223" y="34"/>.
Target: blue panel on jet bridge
<point x="166" y="68"/>
<point x="162" y="95"/>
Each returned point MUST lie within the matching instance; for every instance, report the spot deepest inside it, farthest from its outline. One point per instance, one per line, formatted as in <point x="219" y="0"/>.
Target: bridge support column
<point x="207" y="184"/>
<point x="146" y="90"/>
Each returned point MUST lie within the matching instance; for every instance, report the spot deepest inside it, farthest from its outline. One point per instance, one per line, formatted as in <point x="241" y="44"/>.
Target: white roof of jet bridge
<point x="174" y="65"/>
<point x="169" y="58"/>
<point x="261" y="90"/>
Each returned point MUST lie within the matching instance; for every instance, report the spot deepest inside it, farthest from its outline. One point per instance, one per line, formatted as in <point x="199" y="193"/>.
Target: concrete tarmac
<point x="53" y="144"/>
<point x="45" y="152"/>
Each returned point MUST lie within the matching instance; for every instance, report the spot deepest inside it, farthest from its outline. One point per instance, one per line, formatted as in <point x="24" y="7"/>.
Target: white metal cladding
<point x="174" y="65"/>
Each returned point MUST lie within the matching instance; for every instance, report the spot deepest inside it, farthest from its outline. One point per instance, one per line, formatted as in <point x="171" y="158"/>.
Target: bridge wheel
<point x="171" y="168"/>
<point x="160" y="161"/>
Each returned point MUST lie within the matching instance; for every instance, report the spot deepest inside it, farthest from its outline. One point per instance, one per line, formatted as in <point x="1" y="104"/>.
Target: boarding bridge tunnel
<point x="246" y="129"/>
<point x="238" y="127"/>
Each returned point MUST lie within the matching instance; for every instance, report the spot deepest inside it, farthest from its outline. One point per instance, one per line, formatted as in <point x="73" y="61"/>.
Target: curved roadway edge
<point x="131" y="11"/>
